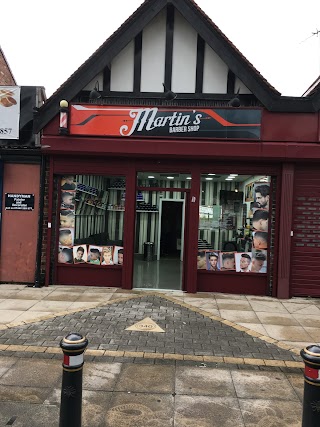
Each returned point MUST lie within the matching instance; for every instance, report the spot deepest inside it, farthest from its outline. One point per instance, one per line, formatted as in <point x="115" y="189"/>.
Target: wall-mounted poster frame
<point x="249" y="196"/>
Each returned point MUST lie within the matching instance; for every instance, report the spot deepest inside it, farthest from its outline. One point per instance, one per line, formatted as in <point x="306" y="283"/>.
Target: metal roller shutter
<point x="305" y="252"/>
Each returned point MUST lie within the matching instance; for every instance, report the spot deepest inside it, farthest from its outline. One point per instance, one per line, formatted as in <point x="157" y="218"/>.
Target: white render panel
<point x="92" y="84"/>
<point x="184" y="61"/>
<point x="122" y="67"/>
<point x="215" y="72"/>
<point x="153" y="54"/>
<point x="239" y="85"/>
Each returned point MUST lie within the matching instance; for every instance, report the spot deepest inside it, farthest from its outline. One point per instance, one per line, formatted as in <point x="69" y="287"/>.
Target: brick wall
<point x="45" y="226"/>
<point x="6" y="77"/>
<point x="52" y="241"/>
<point x="272" y="221"/>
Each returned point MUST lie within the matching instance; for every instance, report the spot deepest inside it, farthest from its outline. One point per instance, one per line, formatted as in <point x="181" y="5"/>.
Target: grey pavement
<point x="140" y="395"/>
<point x="222" y="360"/>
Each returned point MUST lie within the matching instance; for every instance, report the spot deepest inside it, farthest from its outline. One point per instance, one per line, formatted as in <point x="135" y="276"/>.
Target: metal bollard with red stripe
<point x="311" y="398"/>
<point x="73" y="347"/>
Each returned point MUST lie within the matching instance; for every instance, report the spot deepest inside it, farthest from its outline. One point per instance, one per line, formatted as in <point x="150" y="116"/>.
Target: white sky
<point x="45" y="41"/>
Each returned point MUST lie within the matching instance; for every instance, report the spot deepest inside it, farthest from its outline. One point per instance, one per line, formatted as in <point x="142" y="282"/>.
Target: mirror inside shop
<point x="234" y="223"/>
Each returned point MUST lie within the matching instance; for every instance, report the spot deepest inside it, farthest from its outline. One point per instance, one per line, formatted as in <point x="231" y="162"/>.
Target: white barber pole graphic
<point x="73" y="360"/>
<point x="63" y="120"/>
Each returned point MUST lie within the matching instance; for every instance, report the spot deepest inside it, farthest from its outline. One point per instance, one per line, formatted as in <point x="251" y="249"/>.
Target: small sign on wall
<point x="19" y="202"/>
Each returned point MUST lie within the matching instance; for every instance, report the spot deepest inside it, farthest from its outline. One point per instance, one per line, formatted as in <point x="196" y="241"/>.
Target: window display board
<point x="230" y="239"/>
<point x="91" y="221"/>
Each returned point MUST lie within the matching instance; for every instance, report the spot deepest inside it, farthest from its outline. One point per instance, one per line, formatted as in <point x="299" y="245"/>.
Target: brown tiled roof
<point x="6" y="76"/>
<point x="233" y="47"/>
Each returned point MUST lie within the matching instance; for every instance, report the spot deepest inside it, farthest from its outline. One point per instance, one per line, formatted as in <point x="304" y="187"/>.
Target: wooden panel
<point x="184" y="60"/>
<point x="232" y="283"/>
<point x="88" y="275"/>
<point x="19" y="228"/>
<point x="284" y="230"/>
<point x="122" y="70"/>
<point x="153" y="54"/>
<point x="305" y="255"/>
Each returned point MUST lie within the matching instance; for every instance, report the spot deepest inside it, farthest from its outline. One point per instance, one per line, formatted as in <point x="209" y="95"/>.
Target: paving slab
<point x="101" y="376"/>
<point x="265" y="385"/>
<point x="288" y="333"/>
<point x="28" y="415"/>
<point x="140" y="410"/>
<point x="271" y="413"/>
<point x="205" y="411"/>
<point x="6" y="363"/>
<point x="143" y="378"/>
<point x="204" y="381"/>
<point x="30" y="374"/>
<point x="21" y="393"/>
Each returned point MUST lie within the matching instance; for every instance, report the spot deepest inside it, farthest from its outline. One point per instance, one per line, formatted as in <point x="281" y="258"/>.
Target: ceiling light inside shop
<point x="150" y="177"/>
<point x="229" y="179"/>
<point x="233" y="174"/>
<point x="188" y="177"/>
<point x="209" y="179"/>
<point x="211" y="174"/>
<point x="170" y="177"/>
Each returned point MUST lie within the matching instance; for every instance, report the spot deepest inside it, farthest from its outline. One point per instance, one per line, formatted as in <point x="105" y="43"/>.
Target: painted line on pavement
<point x="166" y="356"/>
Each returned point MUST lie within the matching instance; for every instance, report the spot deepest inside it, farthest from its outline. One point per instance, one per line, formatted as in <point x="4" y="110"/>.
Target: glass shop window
<point x="91" y="220"/>
<point x="234" y="223"/>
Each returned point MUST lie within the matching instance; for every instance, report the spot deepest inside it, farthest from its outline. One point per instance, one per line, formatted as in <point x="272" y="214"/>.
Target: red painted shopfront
<point x="174" y="189"/>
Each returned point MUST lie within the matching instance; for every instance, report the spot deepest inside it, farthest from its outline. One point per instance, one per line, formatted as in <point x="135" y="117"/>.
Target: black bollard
<point x="73" y="347"/>
<point x="311" y="398"/>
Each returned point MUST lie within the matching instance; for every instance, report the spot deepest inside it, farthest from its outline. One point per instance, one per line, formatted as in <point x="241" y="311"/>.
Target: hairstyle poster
<point x="80" y="254"/>
<point x="67" y="218"/>
<point x="260" y="240"/>
<point x="68" y="200"/>
<point x="65" y="255"/>
<point x="68" y="182"/>
<point x="260" y="220"/>
<point x="227" y="261"/>
<point x="213" y="260"/>
<point x="262" y="195"/>
<point x="118" y="255"/>
<point x="259" y="261"/>
<point x="201" y="259"/>
<point x="66" y="236"/>
<point x="107" y="255"/>
<point x="94" y="255"/>
<point x="243" y="262"/>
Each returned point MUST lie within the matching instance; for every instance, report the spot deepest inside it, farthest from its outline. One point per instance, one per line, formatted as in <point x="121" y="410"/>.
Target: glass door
<point x="160" y="230"/>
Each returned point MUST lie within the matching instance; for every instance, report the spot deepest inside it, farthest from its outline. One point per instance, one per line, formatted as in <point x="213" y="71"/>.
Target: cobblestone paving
<point x="186" y="332"/>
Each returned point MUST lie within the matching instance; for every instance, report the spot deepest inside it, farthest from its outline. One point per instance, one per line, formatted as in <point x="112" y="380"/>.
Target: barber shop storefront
<point x="172" y="165"/>
<point x="179" y="221"/>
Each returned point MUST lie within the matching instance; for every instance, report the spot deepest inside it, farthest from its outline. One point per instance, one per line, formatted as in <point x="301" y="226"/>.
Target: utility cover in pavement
<point x="145" y="325"/>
